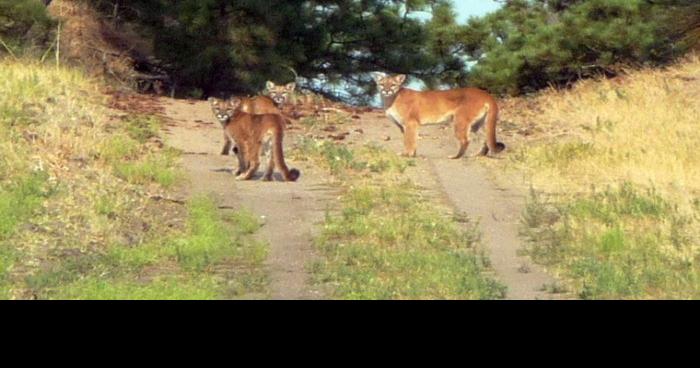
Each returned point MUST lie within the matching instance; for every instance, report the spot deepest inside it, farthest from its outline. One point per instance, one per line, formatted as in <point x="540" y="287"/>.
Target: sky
<point x="467" y="8"/>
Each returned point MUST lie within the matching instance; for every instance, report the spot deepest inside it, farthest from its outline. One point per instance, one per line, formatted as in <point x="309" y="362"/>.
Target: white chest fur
<point x="393" y="114"/>
<point x="395" y="118"/>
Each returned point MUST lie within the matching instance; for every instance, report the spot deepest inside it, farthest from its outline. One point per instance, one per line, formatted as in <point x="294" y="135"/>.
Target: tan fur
<point x="254" y="135"/>
<point x="257" y="106"/>
<point x="280" y="94"/>
<point x="468" y="108"/>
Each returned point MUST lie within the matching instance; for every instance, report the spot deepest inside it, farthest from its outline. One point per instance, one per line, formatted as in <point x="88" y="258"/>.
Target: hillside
<point x="108" y="193"/>
<point x="615" y="171"/>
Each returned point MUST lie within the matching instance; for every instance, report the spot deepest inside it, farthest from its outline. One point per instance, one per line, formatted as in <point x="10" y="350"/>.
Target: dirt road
<point x="291" y="212"/>
<point x="469" y="188"/>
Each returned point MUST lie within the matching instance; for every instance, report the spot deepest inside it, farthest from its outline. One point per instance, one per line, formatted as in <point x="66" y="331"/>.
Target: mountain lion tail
<point x="278" y="155"/>
<point x="491" y="118"/>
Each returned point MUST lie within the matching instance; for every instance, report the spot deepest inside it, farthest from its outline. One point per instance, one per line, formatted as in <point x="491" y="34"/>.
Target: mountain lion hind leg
<point x="466" y="121"/>
<point x="267" y="152"/>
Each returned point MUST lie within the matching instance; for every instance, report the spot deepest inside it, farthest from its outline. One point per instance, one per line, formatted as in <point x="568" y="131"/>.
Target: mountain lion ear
<point x="213" y="101"/>
<point x="378" y="77"/>
<point x="234" y="102"/>
<point x="400" y="78"/>
<point x="270" y="85"/>
<point x="291" y="86"/>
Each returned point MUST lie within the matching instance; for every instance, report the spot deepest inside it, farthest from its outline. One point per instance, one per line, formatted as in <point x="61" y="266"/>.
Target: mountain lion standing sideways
<point x="468" y="108"/>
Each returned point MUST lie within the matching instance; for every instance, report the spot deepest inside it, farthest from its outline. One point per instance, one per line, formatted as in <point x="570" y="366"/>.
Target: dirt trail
<point x="469" y="188"/>
<point x="498" y="211"/>
<point x="290" y="211"/>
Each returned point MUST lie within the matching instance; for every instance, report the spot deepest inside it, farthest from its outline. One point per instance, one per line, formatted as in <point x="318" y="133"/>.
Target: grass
<point x="385" y="241"/>
<point x="210" y="238"/>
<point x="94" y="288"/>
<point x="616" y="184"/>
<point x="18" y="201"/>
<point x="388" y="244"/>
<point x="142" y="128"/>
<point x="133" y="161"/>
<point x="157" y="168"/>
<point x="179" y="265"/>
<point x="640" y="130"/>
<point x="340" y="159"/>
<point x="77" y="179"/>
<point x="618" y="243"/>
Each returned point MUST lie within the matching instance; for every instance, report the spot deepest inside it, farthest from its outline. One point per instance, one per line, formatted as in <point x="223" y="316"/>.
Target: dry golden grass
<point x="619" y="166"/>
<point x="643" y="129"/>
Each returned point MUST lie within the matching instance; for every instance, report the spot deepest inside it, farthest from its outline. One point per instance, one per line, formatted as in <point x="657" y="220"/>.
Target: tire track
<point x="290" y="212"/>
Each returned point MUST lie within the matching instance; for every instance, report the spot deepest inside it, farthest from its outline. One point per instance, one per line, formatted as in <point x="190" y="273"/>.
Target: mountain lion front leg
<point x="410" y="138"/>
<point x="227" y="145"/>
<point x="242" y="164"/>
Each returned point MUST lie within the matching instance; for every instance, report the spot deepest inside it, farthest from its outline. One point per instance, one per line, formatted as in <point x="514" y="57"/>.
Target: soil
<point x="291" y="212"/>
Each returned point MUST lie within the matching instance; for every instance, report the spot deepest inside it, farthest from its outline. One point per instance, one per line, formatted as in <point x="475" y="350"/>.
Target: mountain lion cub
<point x="254" y="135"/>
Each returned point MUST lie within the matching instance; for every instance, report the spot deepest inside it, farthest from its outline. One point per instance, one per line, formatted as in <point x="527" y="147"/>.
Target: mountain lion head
<point x="223" y="110"/>
<point x="389" y="85"/>
<point x="280" y="94"/>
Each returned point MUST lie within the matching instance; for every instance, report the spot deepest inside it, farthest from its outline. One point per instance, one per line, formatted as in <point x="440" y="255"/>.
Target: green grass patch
<point x="212" y="240"/>
<point x="338" y="158"/>
<point x="18" y="201"/>
<point x="621" y="243"/>
<point x="171" y="266"/>
<point x="7" y="259"/>
<point x="134" y="162"/>
<point x="158" y="168"/>
<point x="142" y="127"/>
<point x="169" y="288"/>
<point x="120" y="148"/>
<point x="387" y="244"/>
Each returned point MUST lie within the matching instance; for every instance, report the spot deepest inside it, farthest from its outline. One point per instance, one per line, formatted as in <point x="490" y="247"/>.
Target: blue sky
<point x="467" y="8"/>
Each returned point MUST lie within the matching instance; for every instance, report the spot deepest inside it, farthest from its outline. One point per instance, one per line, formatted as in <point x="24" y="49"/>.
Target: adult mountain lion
<point x="468" y="108"/>
<point x="254" y="135"/>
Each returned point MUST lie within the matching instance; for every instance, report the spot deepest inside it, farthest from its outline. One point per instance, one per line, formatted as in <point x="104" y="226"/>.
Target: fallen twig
<point x="159" y="198"/>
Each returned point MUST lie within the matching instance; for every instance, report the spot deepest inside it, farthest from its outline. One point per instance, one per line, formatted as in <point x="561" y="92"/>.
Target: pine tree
<point x="234" y="46"/>
<point x="24" y="25"/>
<point x="528" y="45"/>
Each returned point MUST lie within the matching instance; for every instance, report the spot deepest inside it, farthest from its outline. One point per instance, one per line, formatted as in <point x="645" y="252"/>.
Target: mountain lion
<point x="254" y="134"/>
<point x="468" y="108"/>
